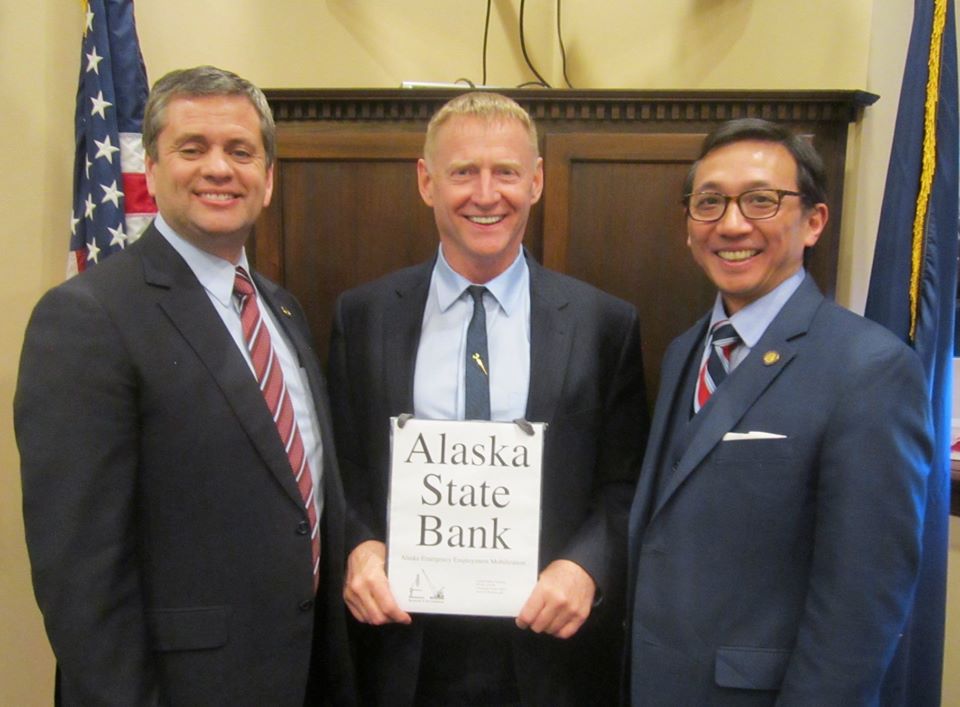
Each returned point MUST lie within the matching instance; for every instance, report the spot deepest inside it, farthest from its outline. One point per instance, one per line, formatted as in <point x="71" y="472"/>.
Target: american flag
<point x="111" y="206"/>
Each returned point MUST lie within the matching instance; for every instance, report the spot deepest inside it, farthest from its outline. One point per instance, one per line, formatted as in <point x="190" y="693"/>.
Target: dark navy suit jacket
<point x="780" y="570"/>
<point x="586" y="382"/>
<point x="164" y="525"/>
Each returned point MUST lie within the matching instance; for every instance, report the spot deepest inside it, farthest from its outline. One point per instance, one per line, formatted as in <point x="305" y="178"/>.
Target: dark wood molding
<point x="625" y="106"/>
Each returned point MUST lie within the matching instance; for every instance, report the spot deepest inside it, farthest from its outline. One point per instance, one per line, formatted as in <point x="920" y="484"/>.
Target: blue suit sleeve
<point x="870" y="490"/>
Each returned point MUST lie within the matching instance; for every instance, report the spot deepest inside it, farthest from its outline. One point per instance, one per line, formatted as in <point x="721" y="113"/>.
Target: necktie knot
<point x="724" y="335"/>
<point x="476" y="291"/>
<point x="723" y="340"/>
<point x="242" y="284"/>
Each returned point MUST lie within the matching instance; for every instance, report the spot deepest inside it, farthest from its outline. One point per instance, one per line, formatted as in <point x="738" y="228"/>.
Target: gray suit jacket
<point x="780" y="570"/>
<point x="165" y="529"/>
<point x="586" y="381"/>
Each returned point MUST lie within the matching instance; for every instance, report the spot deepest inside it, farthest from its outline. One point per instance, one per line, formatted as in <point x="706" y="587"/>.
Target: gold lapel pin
<point x="771" y="357"/>
<point x="286" y="311"/>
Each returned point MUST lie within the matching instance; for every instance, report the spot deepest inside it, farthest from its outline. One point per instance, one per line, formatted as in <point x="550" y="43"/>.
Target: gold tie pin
<point x="479" y="362"/>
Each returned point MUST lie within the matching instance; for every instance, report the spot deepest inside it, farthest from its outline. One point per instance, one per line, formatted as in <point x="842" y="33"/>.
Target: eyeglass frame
<point x="727" y="198"/>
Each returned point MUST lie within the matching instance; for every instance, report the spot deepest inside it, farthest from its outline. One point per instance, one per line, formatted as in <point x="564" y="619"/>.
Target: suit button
<point x="303" y="527"/>
<point x="306" y="605"/>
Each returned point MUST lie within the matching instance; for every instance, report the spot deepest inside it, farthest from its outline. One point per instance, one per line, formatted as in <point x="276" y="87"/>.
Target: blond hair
<point x="489" y="107"/>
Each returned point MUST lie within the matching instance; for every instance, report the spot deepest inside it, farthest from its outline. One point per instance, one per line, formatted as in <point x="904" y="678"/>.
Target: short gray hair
<point x="204" y="81"/>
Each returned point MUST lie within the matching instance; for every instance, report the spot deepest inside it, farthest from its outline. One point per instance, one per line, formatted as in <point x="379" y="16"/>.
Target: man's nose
<point x="733" y="222"/>
<point x="487" y="191"/>
<point x="216" y="164"/>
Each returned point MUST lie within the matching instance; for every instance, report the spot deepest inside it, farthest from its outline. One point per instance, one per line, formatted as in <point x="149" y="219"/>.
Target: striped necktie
<point x="266" y="365"/>
<point x="723" y="340"/>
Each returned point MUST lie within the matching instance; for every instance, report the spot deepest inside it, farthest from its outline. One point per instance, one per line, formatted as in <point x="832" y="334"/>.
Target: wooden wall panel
<point x="350" y="212"/>
<point x="614" y="219"/>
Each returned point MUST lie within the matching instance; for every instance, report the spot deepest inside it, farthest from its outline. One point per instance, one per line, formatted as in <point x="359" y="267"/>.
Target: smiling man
<point x="183" y="507"/>
<point x="558" y="351"/>
<point x="775" y="532"/>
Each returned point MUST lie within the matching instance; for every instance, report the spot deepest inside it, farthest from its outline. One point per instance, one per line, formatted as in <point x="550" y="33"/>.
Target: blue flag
<point x="913" y="292"/>
<point x="111" y="206"/>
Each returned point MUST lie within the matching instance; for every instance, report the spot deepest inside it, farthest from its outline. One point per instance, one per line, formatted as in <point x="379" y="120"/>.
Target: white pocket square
<point x="737" y="436"/>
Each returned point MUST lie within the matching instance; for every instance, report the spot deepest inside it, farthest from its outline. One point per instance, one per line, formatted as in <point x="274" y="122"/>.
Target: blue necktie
<point x="477" y="372"/>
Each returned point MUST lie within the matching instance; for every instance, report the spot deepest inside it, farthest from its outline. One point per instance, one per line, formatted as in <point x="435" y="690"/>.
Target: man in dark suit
<point x="171" y="545"/>
<point x="560" y="352"/>
<point x="775" y="533"/>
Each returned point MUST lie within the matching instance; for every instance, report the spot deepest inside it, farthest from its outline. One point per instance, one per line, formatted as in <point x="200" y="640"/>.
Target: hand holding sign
<point x="560" y="602"/>
<point x="366" y="590"/>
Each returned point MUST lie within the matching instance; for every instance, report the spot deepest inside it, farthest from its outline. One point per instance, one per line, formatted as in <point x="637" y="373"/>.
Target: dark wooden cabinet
<point x="346" y="207"/>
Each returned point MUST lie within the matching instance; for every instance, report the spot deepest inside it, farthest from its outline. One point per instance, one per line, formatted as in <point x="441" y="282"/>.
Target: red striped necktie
<point x="723" y="340"/>
<point x="266" y="365"/>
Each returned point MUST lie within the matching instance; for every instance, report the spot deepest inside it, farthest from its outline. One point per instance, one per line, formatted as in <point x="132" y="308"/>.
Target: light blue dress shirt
<point x="217" y="276"/>
<point x="438" y="388"/>
<point x="752" y="321"/>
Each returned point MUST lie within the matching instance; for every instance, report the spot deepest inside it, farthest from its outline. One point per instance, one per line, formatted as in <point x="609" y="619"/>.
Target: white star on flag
<point x="93" y="252"/>
<point x="105" y="149"/>
<point x="89" y="207"/>
<point x="99" y="105"/>
<point x="111" y="193"/>
<point x="118" y="237"/>
<point x="93" y="61"/>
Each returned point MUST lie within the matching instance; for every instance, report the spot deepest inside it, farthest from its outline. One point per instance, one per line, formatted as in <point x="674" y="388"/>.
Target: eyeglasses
<point x="754" y="204"/>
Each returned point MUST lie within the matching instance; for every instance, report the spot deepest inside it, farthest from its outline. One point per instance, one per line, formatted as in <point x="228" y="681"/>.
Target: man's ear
<point x="425" y="182"/>
<point x="268" y="187"/>
<point x="537" y="187"/>
<point x="815" y="221"/>
<point x="148" y="166"/>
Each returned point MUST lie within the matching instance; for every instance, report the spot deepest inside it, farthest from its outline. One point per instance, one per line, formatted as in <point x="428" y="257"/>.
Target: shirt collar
<point x="751" y="321"/>
<point x="215" y="274"/>
<point x="506" y="288"/>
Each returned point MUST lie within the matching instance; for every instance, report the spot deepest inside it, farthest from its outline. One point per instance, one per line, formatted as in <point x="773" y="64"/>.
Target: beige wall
<point x="39" y="46"/>
<point x="843" y="44"/>
<point x="951" y="660"/>
<point x="613" y="44"/>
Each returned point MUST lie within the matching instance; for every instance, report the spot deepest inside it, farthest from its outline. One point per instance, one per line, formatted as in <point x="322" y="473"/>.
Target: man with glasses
<point x="775" y="532"/>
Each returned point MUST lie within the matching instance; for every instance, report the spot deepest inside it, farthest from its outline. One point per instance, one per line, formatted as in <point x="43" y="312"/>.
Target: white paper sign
<point x="464" y="516"/>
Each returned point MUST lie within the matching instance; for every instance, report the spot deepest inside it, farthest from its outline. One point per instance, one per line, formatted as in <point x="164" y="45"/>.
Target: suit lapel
<point x="551" y="335"/>
<point x="187" y="305"/>
<point x="743" y="388"/>
<point x="289" y="316"/>
<point x="401" y="338"/>
<point x="674" y="366"/>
